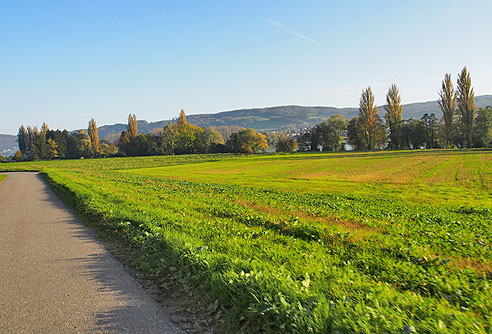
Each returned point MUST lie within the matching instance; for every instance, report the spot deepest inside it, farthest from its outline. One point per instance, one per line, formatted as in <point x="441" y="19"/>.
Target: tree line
<point x="175" y="138"/>
<point x="461" y="126"/>
<point x="185" y="138"/>
<point x="45" y="144"/>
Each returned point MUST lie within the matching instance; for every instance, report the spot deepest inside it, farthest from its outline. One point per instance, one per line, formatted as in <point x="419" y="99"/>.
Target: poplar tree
<point x="23" y="140"/>
<point x="393" y="116"/>
<point x="31" y="137"/>
<point x="94" y="136"/>
<point x="447" y="102"/>
<point x="132" y="127"/>
<point x="466" y="106"/>
<point x="42" y="144"/>
<point x="182" y="119"/>
<point x="369" y="119"/>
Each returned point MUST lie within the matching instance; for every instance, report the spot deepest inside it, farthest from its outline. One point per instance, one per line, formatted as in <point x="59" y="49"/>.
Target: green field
<point x="382" y="242"/>
<point x="2" y="177"/>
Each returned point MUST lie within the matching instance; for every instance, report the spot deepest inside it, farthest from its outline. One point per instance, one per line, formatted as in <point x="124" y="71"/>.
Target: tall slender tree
<point x="182" y="119"/>
<point x="132" y="127"/>
<point x="42" y="144"/>
<point x="393" y="116"/>
<point x="23" y="140"/>
<point x="93" y="134"/>
<point x="447" y="102"/>
<point x="466" y="106"/>
<point x="369" y="120"/>
<point x="44" y="129"/>
<point x="31" y="137"/>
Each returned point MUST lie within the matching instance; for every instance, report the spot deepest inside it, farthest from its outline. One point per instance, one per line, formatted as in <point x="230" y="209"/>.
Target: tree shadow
<point x="135" y="310"/>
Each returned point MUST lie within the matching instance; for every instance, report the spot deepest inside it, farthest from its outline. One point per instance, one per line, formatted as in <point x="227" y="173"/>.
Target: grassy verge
<point x="287" y="260"/>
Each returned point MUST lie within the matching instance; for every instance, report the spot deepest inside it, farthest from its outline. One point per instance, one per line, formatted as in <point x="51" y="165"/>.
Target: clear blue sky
<point x="65" y="61"/>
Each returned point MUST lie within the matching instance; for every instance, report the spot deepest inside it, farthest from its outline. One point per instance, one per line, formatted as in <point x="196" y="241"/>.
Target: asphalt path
<point x="56" y="277"/>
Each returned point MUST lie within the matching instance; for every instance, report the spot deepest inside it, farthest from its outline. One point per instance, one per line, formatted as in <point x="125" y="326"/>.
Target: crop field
<point x="382" y="242"/>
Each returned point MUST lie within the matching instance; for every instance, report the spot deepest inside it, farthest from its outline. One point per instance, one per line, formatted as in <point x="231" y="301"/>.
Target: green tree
<point x="273" y="137"/>
<point x="78" y="145"/>
<point x="329" y="133"/>
<point x="431" y="128"/>
<point x="247" y="141"/>
<point x="286" y="144"/>
<point x="482" y="128"/>
<point x="413" y="134"/>
<point x="23" y="140"/>
<point x="42" y="148"/>
<point x="393" y="116"/>
<point x="466" y="106"/>
<point x="305" y="140"/>
<point x="108" y="149"/>
<point x="186" y="141"/>
<point x="208" y="139"/>
<point x="355" y="135"/>
<point x="125" y="143"/>
<point x="447" y="102"/>
<point x="60" y="138"/>
<point x="31" y="139"/>
<point x="53" y="149"/>
<point x="170" y="134"/>
<point x="94" y="136"/>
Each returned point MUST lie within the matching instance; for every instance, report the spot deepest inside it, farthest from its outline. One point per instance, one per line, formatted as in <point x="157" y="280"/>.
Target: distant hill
<point x="282" y="117"/>
<point x="8" y="145"/>
<point x="262" y="119"/>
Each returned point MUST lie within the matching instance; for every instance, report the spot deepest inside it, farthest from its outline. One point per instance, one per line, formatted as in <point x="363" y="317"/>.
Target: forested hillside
<point x="282" y="117"/>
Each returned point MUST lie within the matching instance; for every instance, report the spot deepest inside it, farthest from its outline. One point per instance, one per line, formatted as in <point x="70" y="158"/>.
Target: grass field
<point x="382" y="242"/>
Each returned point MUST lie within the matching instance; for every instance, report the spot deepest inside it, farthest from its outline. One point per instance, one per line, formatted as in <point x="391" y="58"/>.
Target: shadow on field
<point x="135" y="311"/>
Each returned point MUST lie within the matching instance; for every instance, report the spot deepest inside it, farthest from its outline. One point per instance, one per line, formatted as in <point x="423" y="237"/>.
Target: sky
<point x="64" y="62"/>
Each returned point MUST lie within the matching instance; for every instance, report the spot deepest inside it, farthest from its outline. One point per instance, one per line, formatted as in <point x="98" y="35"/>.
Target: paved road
<point x="55" y="277"/>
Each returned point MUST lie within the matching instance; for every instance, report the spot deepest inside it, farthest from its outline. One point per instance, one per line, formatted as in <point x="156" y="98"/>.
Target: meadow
<point x="378" y="242"/>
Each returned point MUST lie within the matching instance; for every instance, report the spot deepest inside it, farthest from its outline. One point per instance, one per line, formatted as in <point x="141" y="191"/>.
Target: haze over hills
<point x="261" y="119"/>
<point x="282" y="117"/>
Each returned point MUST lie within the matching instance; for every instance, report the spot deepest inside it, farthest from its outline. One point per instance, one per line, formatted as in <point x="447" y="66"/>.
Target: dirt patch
<point x="476" y="265"/>
<point x="359" y="230"/>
